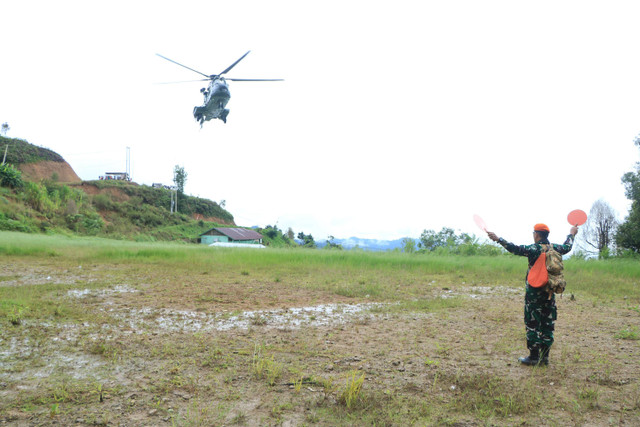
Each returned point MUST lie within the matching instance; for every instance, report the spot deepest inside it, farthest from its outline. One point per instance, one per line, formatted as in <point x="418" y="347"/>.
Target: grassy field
<point x="102" y="332"/>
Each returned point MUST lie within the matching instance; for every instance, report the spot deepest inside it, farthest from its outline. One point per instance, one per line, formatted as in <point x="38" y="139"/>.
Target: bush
<point x="9" y="224"/>
<point x="10" y="176"/>
<point x="628" y="254"/>
<point x="92" y="223"/>
<point x="37" y="196"/>
<point x="102" y="202"/>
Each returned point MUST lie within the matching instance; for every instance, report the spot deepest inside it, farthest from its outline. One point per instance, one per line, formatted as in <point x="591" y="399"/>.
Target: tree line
<point x="604" y="235"/>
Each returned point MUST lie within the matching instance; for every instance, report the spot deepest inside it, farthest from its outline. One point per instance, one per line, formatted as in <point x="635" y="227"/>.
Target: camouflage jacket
<point x="532" y="252"/>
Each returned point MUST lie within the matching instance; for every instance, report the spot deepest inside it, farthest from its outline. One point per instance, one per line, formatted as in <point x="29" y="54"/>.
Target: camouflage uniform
<point x="540" y="311"/>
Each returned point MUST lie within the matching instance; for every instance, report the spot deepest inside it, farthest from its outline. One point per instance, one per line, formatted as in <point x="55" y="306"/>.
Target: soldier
<point x="539" y="307"/>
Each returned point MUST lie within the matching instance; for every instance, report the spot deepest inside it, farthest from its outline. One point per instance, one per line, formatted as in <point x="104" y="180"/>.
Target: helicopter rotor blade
<point x="177" y="63"/>
<point x="182" y="81"/>
<point x="234" y="64"/>
<point x="254" y="80"/>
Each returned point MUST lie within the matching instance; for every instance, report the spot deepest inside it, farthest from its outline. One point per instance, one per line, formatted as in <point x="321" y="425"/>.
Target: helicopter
<point x="217" y="94"/>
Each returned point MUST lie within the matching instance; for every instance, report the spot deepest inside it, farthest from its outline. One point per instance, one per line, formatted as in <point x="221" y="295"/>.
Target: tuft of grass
<point x="264" y="367"/>
<point x="54" y="410"/>
<point x="258" y="320"/>
<point x="430" y="362"/>
<point x="631" y="333"/>
<point x="239" y="419"/>
<point x="351" y="393"/>
<point x="297" y="384"/>
<point x="105" y="349"/>
<point x="590" y="395"/>
<point x="15" y="316"/>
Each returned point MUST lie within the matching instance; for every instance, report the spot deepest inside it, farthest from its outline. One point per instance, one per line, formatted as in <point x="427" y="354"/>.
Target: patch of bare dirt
<point x="49" y="170"/>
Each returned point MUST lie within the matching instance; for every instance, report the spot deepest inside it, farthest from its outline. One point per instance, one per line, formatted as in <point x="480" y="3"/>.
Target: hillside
<point x="50" y="197"/>
<point x="37" y="163"/>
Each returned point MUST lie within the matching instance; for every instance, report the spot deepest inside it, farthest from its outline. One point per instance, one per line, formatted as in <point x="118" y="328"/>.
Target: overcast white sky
<point x="394" y="117"/>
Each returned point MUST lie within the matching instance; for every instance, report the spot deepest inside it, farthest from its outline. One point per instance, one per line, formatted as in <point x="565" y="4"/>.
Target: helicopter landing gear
<point x="197" y="114"/>
<point x="223" y="115"/>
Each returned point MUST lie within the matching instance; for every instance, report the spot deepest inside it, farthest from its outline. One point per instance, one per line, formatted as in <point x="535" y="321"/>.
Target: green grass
<point x="631" y="333"/>
<point x="347" y="273"/>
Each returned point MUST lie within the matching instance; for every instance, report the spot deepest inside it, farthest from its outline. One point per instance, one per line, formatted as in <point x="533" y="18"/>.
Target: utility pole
<point x="174" y="199"/>
<point x="128" y="166"/>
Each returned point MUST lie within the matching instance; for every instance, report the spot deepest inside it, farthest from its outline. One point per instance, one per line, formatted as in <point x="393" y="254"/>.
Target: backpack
<point x="548" y="271"/>
<point x="555" y="267"/>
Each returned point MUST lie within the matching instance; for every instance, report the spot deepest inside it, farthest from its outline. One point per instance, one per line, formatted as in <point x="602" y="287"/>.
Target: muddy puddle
<point x="100" y="293"/>
<point x="191" y="321"/>
<point x="21" y="360"/>
<point x="170" y="320"/>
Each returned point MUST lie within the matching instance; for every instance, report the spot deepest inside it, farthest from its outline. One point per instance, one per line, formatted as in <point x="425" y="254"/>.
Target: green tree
<point x="430" y="240"/>
<point x="331" y="244"/>
<point x="179" y="177"/>
<point x="408" y="245"/>
<point x="307" y="240"/>
<point x="290" y="234"/>
<point x="628" y="234"/>
<point x="271" y="232"/>
<point x="4" y="129"/>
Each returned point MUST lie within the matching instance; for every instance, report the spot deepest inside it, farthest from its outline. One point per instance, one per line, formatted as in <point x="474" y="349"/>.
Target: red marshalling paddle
<point x="577" y="217"/>
<point x="480" y="223"/>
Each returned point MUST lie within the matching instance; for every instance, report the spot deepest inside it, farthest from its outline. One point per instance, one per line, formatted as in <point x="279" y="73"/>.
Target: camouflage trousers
<point x="540" y="314"/>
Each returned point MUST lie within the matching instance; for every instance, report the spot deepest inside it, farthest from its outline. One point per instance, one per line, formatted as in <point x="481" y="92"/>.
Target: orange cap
<point x="541" y="227"/>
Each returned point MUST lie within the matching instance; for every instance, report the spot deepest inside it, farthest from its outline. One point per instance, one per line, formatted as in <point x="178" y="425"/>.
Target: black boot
<point x="544" y="355"/>
<point x="532" y="359"/>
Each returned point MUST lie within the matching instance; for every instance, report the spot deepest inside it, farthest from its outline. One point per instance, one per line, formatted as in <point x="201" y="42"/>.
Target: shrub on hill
<point x="44" y="206"/>
<point x="161" y="198"/>
<point x="20" y="151"/>
<point x="10" y="176"/>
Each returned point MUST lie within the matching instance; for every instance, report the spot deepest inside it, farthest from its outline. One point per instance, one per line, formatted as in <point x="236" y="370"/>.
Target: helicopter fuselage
<point x="216" y="97"/>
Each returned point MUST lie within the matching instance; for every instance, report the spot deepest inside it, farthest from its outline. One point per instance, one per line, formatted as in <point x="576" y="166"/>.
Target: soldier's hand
<point x="493" y="236"/>
<point x="574" y="230"/>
